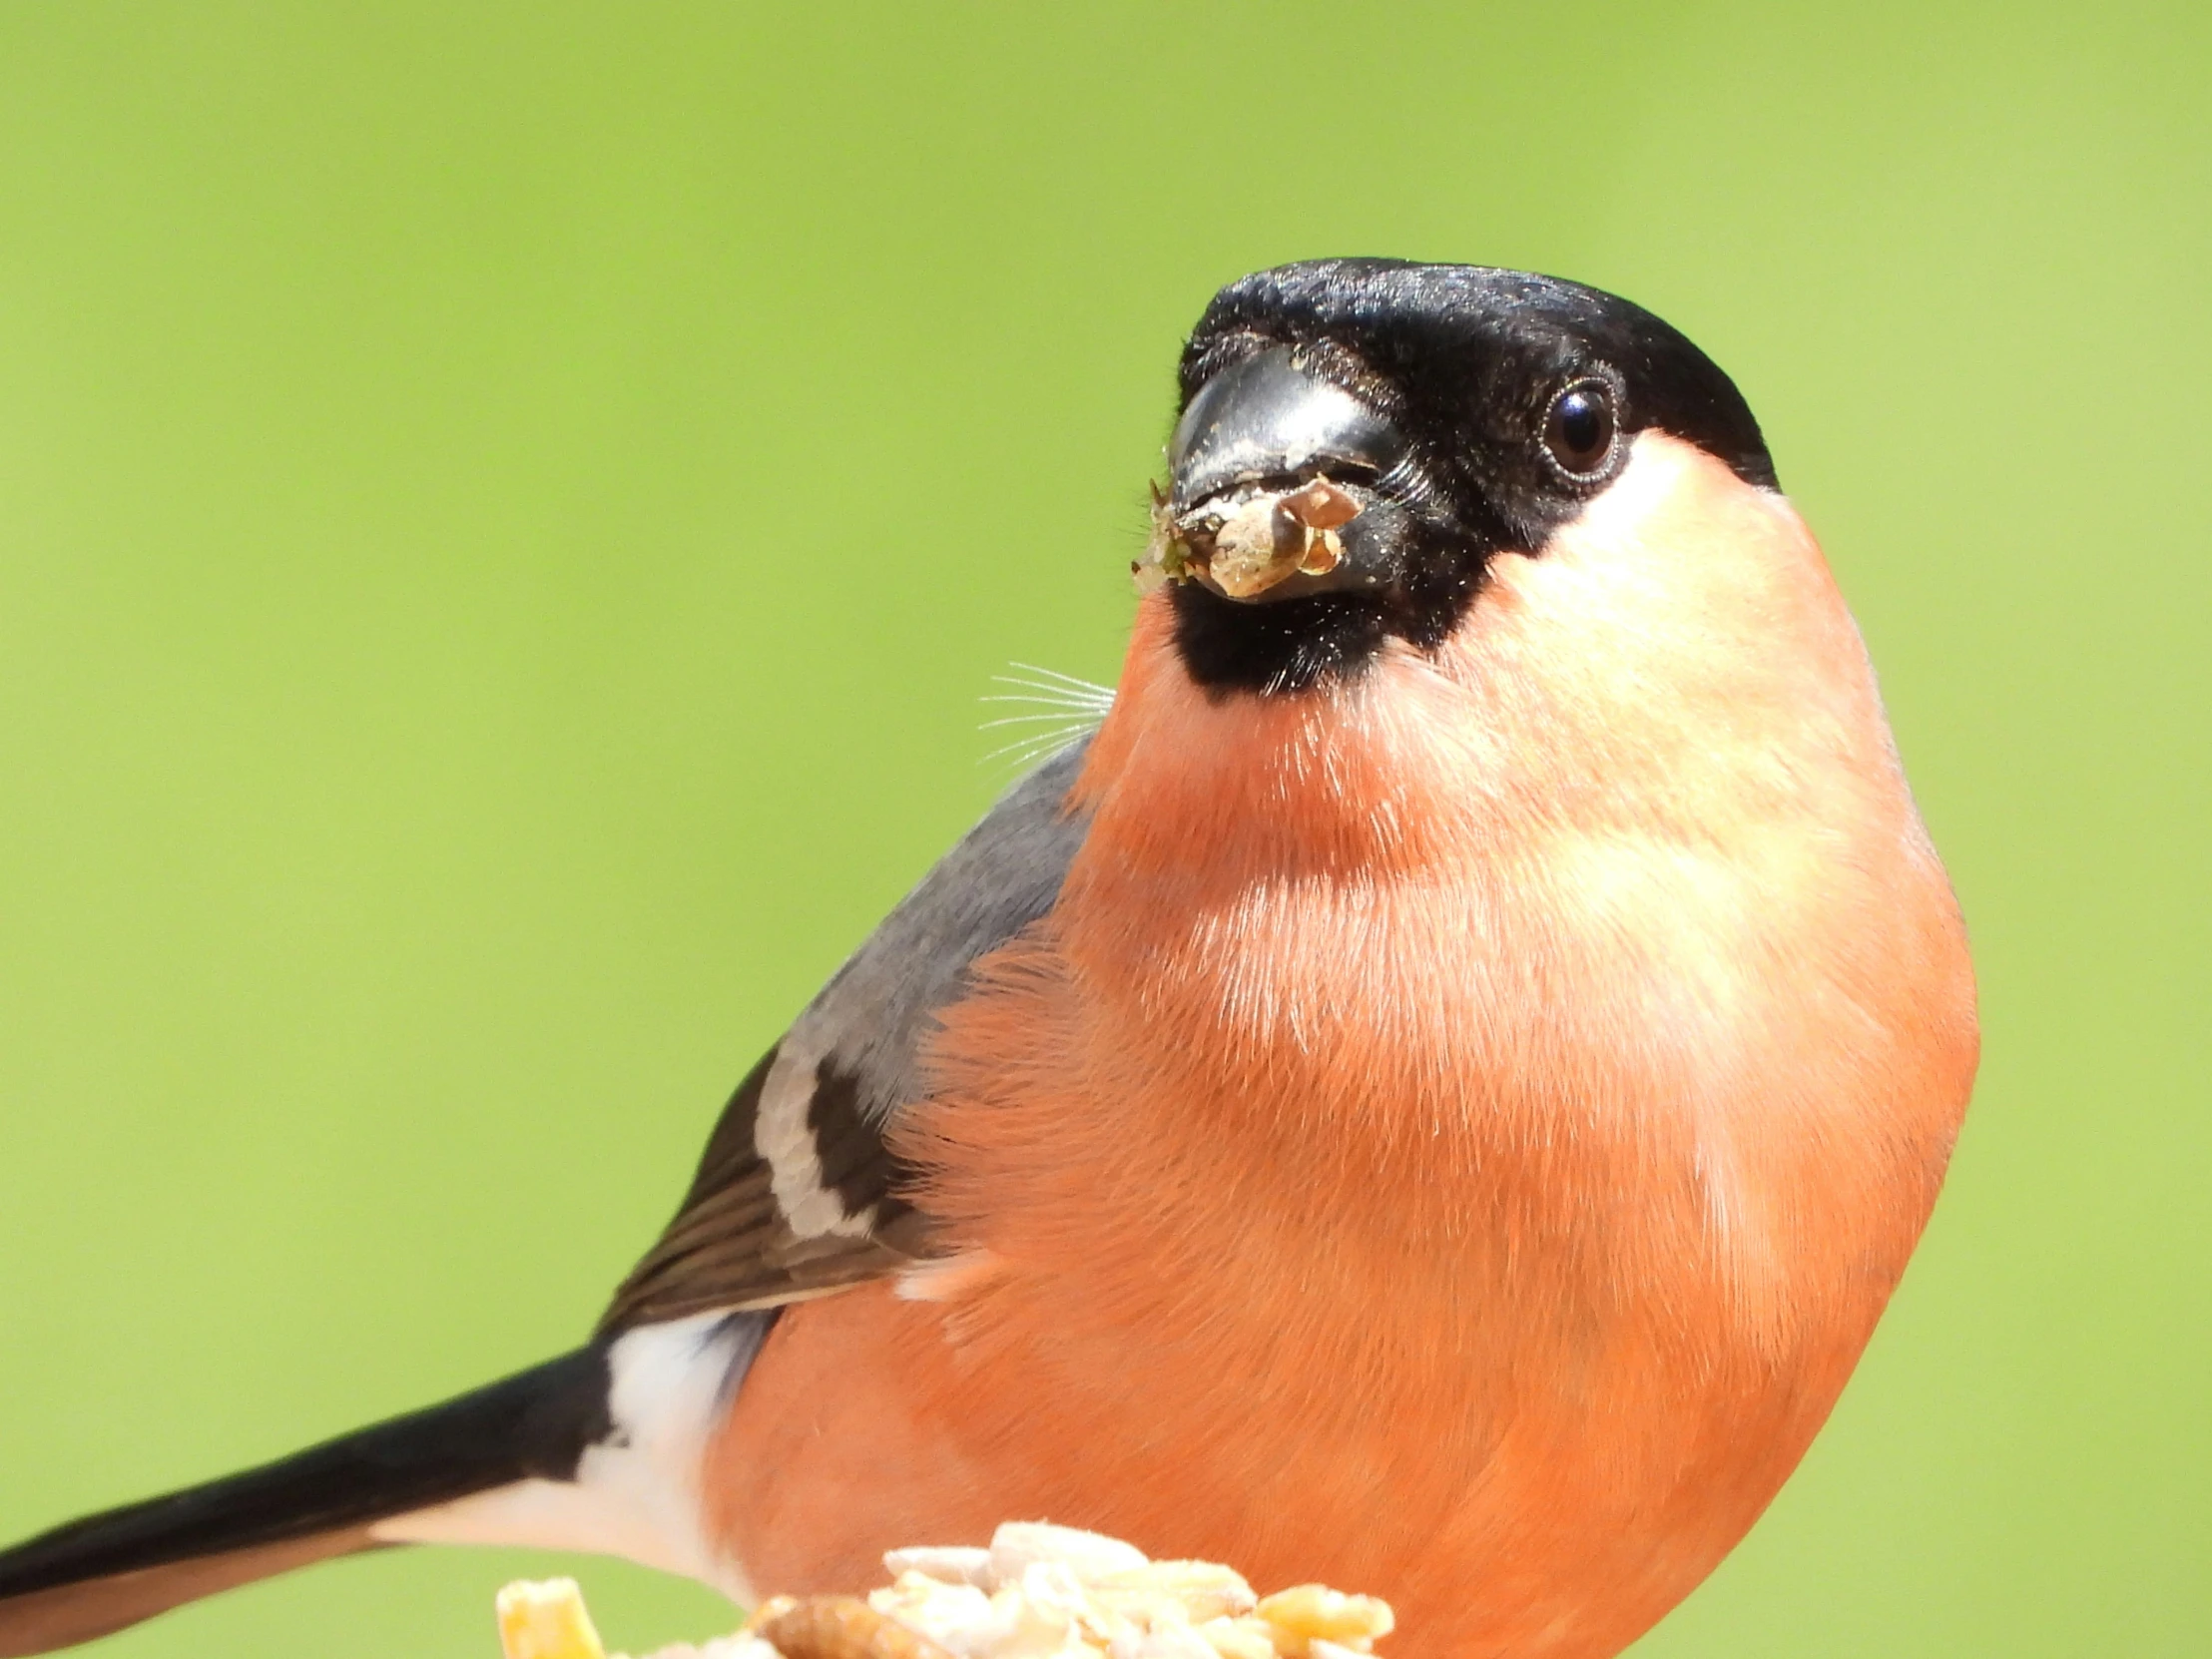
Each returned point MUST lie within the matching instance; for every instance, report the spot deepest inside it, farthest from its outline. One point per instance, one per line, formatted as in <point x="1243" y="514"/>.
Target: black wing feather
<point x="796" y="1194"/>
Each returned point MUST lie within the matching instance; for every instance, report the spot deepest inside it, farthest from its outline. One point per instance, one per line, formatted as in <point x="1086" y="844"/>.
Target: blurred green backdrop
<point x="506" y="513"/>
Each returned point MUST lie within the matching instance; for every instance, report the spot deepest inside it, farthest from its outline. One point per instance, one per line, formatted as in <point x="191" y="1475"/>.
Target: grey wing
<point x="796" y="1194"/>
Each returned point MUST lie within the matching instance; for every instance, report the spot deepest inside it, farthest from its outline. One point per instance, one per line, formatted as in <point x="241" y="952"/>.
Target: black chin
<point x="1284" y="647"/>
<point x="1294" y="645"/>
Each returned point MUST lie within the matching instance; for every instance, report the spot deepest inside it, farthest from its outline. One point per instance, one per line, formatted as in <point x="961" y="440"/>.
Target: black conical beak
<point x="1268" y="418"/>
<point x="1274" y="486"/>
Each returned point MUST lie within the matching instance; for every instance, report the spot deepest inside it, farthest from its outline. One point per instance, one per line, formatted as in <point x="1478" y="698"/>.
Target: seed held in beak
<point x="1263" y="538"/>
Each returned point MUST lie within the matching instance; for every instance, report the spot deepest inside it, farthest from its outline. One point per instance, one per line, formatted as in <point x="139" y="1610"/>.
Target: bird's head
<point x="1359" y="438"/>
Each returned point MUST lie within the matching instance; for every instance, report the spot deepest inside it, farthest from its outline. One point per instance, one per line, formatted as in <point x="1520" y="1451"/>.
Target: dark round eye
<point x="1579" y="429"/>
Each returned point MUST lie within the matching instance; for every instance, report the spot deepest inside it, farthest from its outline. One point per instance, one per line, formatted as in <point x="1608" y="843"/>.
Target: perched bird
<point x="1432" y="1094"/>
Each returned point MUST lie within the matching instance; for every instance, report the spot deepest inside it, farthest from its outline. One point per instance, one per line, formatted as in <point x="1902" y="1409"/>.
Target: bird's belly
<point x="1504" y="1319"/>
<point x="1549" y="1492"/>
<point x="860" y="1430"/>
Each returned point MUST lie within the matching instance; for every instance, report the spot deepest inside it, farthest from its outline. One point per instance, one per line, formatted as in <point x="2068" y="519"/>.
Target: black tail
<point x="108" y="1570"/>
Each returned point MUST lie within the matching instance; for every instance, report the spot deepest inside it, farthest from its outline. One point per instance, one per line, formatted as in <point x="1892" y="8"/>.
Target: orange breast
<point x="1456" y="1134"/>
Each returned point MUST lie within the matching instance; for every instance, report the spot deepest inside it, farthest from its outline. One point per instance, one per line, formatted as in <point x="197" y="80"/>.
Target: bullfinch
<point x="1430" y="1090"/>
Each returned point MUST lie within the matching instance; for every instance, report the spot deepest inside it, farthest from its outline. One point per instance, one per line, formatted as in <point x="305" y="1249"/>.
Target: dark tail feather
<point x="40" y="1621"/>
<point x="108" y="1570"/>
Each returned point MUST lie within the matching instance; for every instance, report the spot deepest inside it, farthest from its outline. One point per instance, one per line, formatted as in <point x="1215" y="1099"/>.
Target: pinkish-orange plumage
<point x="1433" y="1098"/>
<point x="1462" y="1127"/>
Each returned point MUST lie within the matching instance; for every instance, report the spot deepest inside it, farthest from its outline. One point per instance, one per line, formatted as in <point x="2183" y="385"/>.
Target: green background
<point x="506" y="513"/>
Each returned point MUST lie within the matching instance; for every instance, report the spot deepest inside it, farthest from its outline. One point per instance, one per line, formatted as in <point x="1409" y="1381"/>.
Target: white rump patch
<point x="638" y="1495"/>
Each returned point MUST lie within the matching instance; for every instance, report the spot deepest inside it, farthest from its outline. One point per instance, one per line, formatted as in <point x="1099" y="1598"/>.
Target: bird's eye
<point x="1578" y="430"/>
